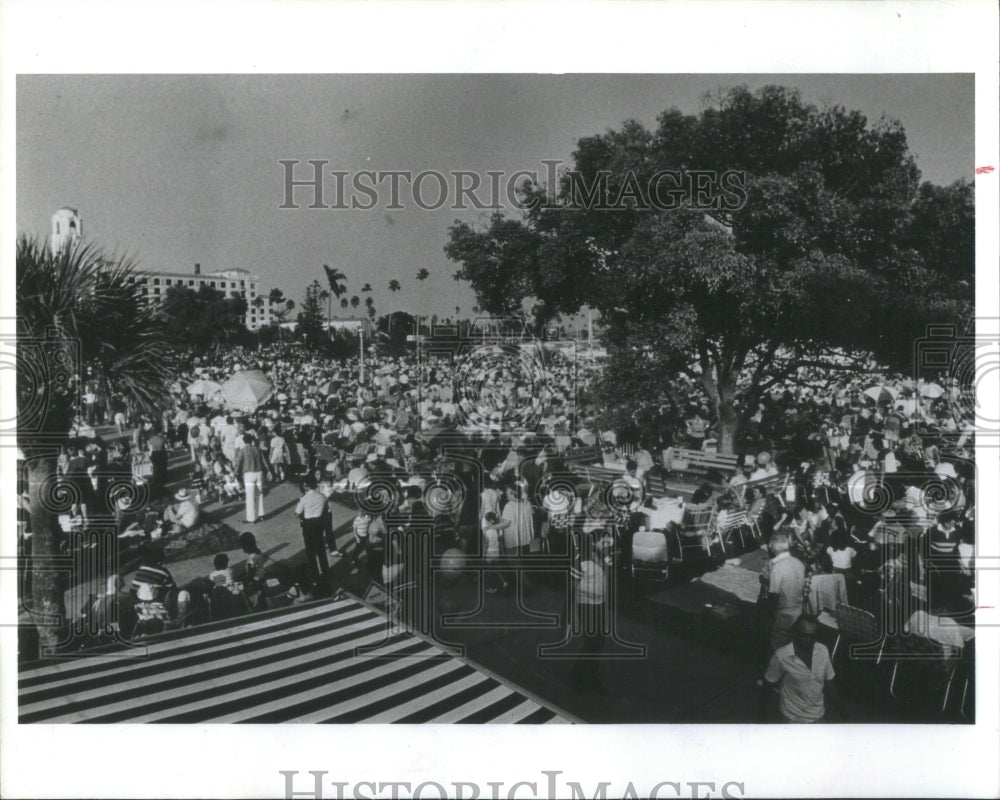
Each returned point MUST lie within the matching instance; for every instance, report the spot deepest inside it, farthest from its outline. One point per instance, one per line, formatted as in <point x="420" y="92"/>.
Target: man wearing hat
<point x="182" y="514"/>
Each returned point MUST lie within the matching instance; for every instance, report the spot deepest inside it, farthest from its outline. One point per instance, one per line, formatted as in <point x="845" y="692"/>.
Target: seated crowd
<point x="879" y="493"/>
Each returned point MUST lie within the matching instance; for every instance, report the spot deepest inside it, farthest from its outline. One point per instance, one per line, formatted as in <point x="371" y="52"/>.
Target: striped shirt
<point x="151" y="584"/>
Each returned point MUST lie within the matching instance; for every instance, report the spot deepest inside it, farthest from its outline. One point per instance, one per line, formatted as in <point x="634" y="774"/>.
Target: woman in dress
<point x="278" y="455"/>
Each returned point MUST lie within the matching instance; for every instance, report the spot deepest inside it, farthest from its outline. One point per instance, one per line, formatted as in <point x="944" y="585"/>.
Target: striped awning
<point x="335" y="661"/>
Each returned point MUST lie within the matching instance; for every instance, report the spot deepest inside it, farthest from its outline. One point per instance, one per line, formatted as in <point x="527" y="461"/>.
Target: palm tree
<point x="370" y="305"/>
<point x="344" y="303"/>
<point x="80" y="312"/>
<point x="337" y="280"/>
<point x="366" y="288"/>
<point x="393" y="287"/>
<point x="355" y="302"/>
<point x="422" y="274"/>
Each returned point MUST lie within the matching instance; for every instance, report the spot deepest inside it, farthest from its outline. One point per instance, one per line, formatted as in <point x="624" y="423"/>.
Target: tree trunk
<point x="728" y="424"/>
<point x="48" y="584"/>
<point x="721" y="393"/>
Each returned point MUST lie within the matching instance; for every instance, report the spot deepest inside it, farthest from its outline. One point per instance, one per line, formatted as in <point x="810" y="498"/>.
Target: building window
<point x="156" y="281"/>
<point x="191" y="283"/>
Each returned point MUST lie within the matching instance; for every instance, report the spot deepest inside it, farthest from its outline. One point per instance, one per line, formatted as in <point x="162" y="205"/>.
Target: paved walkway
<point x="278" y="534"/>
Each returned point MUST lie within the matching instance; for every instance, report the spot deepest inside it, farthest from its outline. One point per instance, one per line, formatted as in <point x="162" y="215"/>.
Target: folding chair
<point x="736" y="522"/>
<point x="650" y="556"/>
<point x="968" y="675"/>
<point x="696" y="531"/>
<point x="854" y="625"/>
<point x="928" y="665"/>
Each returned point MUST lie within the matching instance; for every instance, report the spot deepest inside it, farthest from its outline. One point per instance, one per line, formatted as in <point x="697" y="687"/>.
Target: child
<point x="221" y="575"/>
<point x="492" y="525"/>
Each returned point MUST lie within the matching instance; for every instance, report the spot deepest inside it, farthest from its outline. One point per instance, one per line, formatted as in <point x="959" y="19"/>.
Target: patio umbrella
<point x="203" y="388"/>
<point x="246" y="390"/>
<point x="883" y="395"/>
<point x="932" y="390"/>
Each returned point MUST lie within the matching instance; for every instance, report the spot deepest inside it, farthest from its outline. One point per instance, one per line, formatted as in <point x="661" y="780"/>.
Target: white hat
<point x="182" y="495"/>
<point x="371" y="457"/>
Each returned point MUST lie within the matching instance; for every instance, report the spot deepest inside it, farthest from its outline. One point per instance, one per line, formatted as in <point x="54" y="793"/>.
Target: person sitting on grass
<point x="181" y="515"/>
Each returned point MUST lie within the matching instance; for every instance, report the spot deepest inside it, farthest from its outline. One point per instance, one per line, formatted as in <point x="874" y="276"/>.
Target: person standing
<point x="802" y="674"/>
<point x="278" y="456"/>
<point x="520" y="530"/>
<point x="785" y="580"/>
<point x="157" y="445"/>
<point x="311" y="511"/>
<point x="251" y="465"/>
<point x="589" y="617"/>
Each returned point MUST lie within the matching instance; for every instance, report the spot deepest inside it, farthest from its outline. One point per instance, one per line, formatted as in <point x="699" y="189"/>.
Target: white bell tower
<point x="66" y="229"/>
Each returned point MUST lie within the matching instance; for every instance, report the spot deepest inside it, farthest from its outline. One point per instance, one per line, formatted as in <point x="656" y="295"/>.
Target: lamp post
<point x="361" y="348"/>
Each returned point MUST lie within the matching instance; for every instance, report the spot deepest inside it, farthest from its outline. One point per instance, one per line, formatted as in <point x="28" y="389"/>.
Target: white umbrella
<point x="204" y="388"/>
<point x="932" y="390"/>
<point x="908" y="407"/>
<point x="248" y="389"/>
<point x="883" y="395"/>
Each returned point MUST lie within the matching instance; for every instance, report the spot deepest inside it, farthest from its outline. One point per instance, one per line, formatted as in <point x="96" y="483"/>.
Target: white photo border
<point x="717" y="38"/>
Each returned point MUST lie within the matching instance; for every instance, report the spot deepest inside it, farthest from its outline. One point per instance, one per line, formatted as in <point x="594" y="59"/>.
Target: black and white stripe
<point x="323" y="662"/>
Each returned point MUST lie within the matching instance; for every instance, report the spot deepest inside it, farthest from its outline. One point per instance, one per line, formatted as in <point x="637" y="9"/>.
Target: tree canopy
<point x="311" y="320"/>
<point x="793" y="232"/>
<point x="205" y="318"/>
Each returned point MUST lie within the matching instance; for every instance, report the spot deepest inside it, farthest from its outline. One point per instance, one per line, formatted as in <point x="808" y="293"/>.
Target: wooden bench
<point x="595" y="473"/>
<point x="583" y="455"/>
<point x="770" y="484"/>
<point x="700" y="463"/>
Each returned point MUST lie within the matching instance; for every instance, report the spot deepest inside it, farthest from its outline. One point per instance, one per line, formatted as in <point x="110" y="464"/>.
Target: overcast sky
<point x="183" y="169"/>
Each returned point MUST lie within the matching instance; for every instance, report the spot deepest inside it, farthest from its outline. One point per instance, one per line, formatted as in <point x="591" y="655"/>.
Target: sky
<point x="184" y="169"/>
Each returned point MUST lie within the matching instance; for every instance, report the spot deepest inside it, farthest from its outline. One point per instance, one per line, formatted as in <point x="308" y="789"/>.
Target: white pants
<point x="253" y="482"/>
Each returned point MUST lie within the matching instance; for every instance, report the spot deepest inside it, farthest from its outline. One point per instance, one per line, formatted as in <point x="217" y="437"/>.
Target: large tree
<point x="205" y="318"/>
<point x="734" y="246"/>
<point x="80" y="317"/>
<point x="309" y="322"/>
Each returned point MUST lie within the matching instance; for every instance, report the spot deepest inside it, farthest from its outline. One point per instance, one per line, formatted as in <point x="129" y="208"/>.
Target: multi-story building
<point x="231" y="282"/>
<point x="67" y="228"/>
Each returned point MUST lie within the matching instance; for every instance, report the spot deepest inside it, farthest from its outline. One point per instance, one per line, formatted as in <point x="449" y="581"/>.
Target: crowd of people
<point x="869" y="478"/>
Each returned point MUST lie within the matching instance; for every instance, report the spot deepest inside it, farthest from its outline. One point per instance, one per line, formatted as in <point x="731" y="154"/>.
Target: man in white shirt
<point x="802" y="673"/>
<point x="311" y="511"/>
